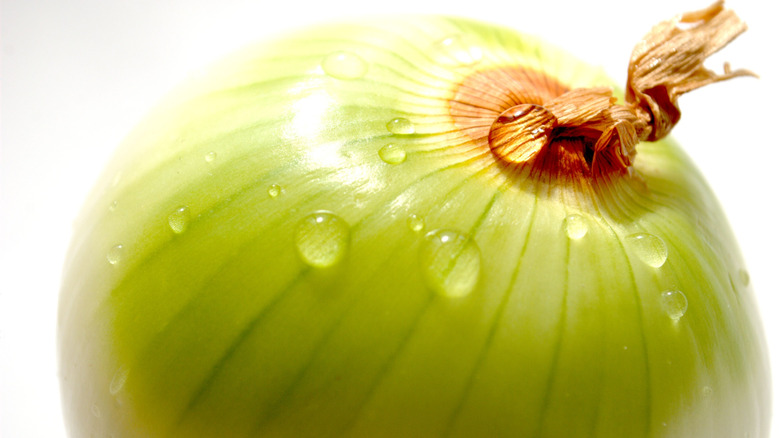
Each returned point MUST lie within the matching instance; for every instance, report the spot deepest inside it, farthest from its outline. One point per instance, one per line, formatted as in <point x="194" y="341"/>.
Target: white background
<point x="78" y="75"/>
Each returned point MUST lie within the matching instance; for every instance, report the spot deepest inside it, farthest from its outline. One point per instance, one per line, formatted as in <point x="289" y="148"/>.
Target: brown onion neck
<point x="667" y="63"/>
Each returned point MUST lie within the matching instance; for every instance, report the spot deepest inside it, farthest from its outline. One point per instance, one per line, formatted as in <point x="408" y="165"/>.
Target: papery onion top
<point x="528" y="118"/>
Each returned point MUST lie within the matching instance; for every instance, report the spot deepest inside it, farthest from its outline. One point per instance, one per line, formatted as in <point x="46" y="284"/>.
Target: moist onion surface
<point x="317" y="239"/>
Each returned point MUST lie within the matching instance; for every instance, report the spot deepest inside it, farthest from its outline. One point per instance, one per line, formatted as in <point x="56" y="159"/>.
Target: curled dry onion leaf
<point x="415" y="227"/>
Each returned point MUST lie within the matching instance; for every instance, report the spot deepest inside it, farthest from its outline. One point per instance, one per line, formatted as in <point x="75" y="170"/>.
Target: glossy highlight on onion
<point x="416" y="226"/>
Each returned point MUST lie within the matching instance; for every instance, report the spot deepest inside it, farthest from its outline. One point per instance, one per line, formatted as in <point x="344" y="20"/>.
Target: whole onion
<point x="421" y="226"/>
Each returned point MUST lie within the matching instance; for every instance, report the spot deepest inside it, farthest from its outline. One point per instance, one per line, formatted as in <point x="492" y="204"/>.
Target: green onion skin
<point x="303" y="243"/>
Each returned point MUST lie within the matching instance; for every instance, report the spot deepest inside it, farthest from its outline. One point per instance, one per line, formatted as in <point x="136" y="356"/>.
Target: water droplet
<point x="392" y="154"/>
<point x="456" y="50"/>
<point x="96" y="411"/>
<point x="649" y="248"/>
<point x="400" y="125"/>
<point x="274" y="190"/>
<point x="451" y="262"/>
<point x="114" y="254"/>
<point x="112" y="206"/>
<point x="674" y="303"/>
<point x="415" y="223"/>
<point x="707" y="391"/>
<point x="118" y="382"/>
<point x="210" y="157"/>
<point x="520" y="132"/>
<point x="322" y="239"/>
<point x="744" y="277"/>
<point x="344" y="65"/>
<point x="179" y="220"/>
<point x="575" y="226"/>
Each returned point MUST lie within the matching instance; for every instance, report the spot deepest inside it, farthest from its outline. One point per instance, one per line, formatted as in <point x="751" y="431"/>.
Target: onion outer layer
<point x="302" y="243"/>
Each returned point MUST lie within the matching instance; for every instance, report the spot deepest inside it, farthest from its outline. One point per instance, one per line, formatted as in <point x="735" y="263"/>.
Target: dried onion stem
<point x="667" y="63"/>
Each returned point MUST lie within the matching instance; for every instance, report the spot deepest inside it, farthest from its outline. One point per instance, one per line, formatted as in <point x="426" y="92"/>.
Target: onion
<point x="422" y="226"/>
